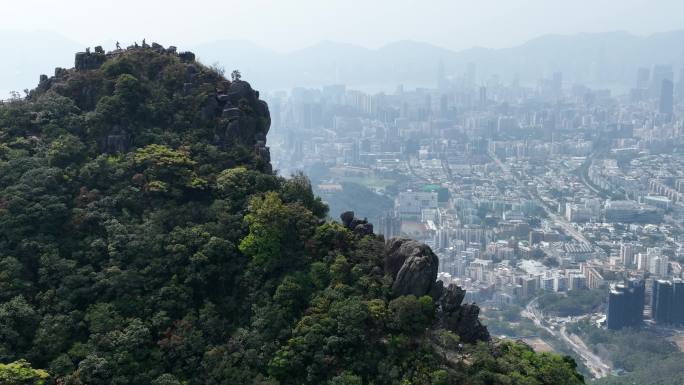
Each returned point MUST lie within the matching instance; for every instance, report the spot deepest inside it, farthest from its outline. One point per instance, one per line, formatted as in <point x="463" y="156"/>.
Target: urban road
<point x="557" y="219"/>
<point x="594" y="363"/>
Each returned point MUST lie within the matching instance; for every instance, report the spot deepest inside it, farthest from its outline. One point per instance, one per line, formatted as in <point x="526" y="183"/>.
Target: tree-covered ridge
<point x="143" y="240"/>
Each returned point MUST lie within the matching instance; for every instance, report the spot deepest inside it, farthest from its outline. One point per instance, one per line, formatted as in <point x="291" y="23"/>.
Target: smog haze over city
<point x="535" y="148"/>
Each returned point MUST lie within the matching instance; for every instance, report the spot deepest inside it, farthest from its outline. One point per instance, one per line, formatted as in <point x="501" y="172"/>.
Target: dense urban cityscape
<point x="521" y="190"/>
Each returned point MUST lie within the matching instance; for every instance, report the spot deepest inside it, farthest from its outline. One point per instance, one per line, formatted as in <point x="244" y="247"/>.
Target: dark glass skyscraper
<point x="667" y="97"/>
<point x="643" y="76"/>
<point x="660" y="73"/>
<point x="667" y="302"/>
<point x="626" y="305"/>
<point x="678" y="301"/>
<point x="660" y="301"/>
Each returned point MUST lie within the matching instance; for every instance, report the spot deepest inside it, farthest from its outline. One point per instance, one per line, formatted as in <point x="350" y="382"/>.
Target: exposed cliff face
<point x="461" y="318"/>
<point x="244" y="119"/>
<point x="89" y="60"/>
<point x="230" y="113"/>
<point x="413" y="267"/>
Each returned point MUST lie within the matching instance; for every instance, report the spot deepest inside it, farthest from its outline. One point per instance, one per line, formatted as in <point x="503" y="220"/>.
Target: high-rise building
<point x="631" y="212"/>
<point x="594" y="279"/>
<point x="661" y="300"/>
<point x="643" y="76"/>
<point x="471" y="74"/>
<point x="557" y="82"/>
<point x="535" y="237"/>
<point x="444" y="106"/>
<point x="680" y="85"/>
<point x="409" y="204"/>
<point x="483" y="96"/>
<point x="441" y="77"/>
<point x="442" y="239"/>
<point x="660" y="73"/>
<point x="667" y="97"/>
<point x="577" y="213"/>
<point x="626" y="305"/>
<point x="658" y="265"/>
<point x="627" y="253"/>
<point x="677" y="302"/>
<point x="667" y="302"/>
<point x="389" y="225"/>
<point x="530" y="285"/>
<point x="642" y="261"/>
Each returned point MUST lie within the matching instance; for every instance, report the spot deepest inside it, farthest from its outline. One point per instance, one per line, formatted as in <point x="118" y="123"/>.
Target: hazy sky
<point x="290" y="24"/>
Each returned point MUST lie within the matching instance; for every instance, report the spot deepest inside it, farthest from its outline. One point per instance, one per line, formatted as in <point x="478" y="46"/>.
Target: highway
<point x="584" y="177"/>
<point x="594" y="363"/>
<point x="566" y="226"/>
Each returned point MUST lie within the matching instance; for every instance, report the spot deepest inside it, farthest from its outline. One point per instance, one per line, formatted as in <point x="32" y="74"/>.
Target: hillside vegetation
<point x="145" y="240"/>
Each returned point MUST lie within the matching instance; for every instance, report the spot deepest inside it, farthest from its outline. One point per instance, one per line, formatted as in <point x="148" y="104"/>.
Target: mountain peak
<point x="145" y="240"/>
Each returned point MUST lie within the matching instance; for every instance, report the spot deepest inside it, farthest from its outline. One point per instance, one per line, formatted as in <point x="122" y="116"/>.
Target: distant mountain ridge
<point x="26" y="54"/>
<point x="591" y="58"/>
<point x="597" y="59"/>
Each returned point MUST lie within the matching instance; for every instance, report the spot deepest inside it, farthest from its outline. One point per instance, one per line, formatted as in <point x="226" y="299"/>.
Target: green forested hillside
<point x="144" y="240"/>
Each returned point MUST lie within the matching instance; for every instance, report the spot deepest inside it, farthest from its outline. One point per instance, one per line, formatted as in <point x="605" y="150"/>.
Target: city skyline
<point x="528" y="194"/>
<point x="607" y="60"/>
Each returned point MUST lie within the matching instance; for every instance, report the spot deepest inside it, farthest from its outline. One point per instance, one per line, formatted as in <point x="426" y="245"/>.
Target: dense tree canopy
<point x="21" y="373"/>
<point x="143" y="240"/>
<point x="572" y="303"/>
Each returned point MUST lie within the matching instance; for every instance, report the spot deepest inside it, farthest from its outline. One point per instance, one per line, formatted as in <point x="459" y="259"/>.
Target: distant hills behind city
<point x="606" y="59"/>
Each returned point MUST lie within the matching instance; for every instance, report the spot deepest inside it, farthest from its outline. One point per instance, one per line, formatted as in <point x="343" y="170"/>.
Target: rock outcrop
<point x="460" y="318"/>
<point x="89" y="60"/>
<point x="347" y="217"/>
<point x="412" y="265"/>
<point x="359" y="226"/>
<point x="245" y="120"/>
<point x="239" y="117"/>
<point x="187" y="56"/>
